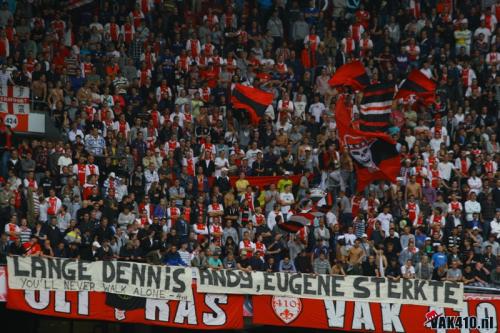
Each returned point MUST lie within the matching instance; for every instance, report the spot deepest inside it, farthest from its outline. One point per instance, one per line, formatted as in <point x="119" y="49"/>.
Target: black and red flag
<point x="376" y="107"/>
<point x="374" y="153"/>
<point x="253" y="100"/>
<point x="419" y="85"/>
<point x="352" y="74"/>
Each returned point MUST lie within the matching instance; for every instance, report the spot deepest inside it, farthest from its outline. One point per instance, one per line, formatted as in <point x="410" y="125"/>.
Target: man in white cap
<point x="95" y="250"/>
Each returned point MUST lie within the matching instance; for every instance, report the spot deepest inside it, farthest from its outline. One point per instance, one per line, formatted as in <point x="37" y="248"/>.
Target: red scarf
<point x="248" y="246"/>
<point x="349" y="45"/>
<point x="259" y="248"/>
<point x="365" y="47"/>
<point x="128" y="32"/>
<point x="435" y="178"/>
<point x="454" y="205"/>
<point x="312" y="38"/>
<point x="411" y="56"/>
<point x="82" y="171"/>
<point x="164" y="91"/>
<point x="463" y="166"/>
<point x="174" y="213"/>
<point x="190" y="166"/>
<point x="412" y="211"/>
<point x="92" y="169"/>
<point x="200" y="183"/>
<point x="148" y="60"/>
<point x="438" y="131"/>
<point x="281" y="67"/>
<point x="155" y="117"/>
<point x="229" y="20"/>
<point x="172" y="145"/>
<point x="87" y="68"/>
<point x="210" y="21"/>
<point x="31" y="183"/>
<point x="371" y="226"/>
<point x="145" y="6"/>
<point x="208" y="49"/>
<point x="259" y="219"/>
<point x="465" y="77"/>
<point x="284" y="105"/>
<point x="51" y="210"/>
<point x="356" y="31"/>
<point x="355" y="202"/>
<point x="143" y="77"/>
<point x="136" y="17"/>
<point x="432" y="161"/>
<point x="487" y="21"/>
<point x="436" y="219"/>
<point x="194" y="48"/>
<point x="489" y="166"/>
<point x="249" y="199"/>
<point x="420" y="178"/>
<point x="113" y="31"/>
<point x="122" y="126"/>
<point x="205" y="94"/>
<point x="90" y="112"/>
<point x="200" y="227"/>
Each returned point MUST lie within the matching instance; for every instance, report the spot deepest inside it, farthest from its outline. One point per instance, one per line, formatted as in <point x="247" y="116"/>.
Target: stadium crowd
<point x="154" y="164"/>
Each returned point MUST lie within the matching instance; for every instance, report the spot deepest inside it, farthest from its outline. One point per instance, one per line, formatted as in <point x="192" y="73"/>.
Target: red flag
<point x="419" y="85"/>
<point x="376" y="107"/>
<point x="352" y="74"/>
<point x="374" y="154"/>
<point x="253" y="100"/>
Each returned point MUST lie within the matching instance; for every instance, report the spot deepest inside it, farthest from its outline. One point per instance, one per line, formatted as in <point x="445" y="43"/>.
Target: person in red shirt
<point x="32" y="248"/>
<point x="211" y="75"/>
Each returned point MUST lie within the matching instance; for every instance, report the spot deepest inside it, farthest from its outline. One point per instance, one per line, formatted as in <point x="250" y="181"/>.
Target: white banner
<point x="331" y="287"/>
<point x="15" y="99"/>
<point x="3" y="284"/>
<point x="173" y="282"/>
<point x="116" y="277"/>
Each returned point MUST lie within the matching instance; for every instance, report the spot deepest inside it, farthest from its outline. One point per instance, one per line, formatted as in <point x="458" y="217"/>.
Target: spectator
<point x="407" y="270"/>
<point x="454" y="273"/>
<point x="286" y="265"/>
<point x="321" y="265"/>
<point x="150" y="142"/>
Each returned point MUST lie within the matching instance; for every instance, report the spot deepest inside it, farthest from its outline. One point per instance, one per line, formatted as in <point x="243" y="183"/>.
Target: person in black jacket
<point x="223" y="181"/>
<point x="54" y="234"/>
<point x="303" y="262"/>
<point x="103" y="231"/>
<point x="16" y="248"/>
<point x="369" y="267"/>
<point x="206" y="164"/>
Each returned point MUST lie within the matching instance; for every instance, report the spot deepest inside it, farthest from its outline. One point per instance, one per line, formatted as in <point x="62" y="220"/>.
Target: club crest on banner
<point x="286" y="308"/>
<point x="119" y="314"/>
<point x="360" y="149"/>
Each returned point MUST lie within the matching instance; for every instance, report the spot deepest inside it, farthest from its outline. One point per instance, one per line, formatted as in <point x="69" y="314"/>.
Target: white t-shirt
<point x="317" y="110"/>
<point x="271" y="219"/>
<point x="445" y="170"/>
<point x="286" y="197"/>
<point x="407" y="270"/>
<point x="385" y="221"/>
<point x="471" y="207"/>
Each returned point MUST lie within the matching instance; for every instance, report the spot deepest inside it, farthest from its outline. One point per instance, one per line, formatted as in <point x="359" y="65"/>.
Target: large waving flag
<point x="253" y="100"/>
<point x="419" y="85"/>
<point x="376" y="107"/>
<point x="374" y="154"/>
<point x="74" y="4"/>
<point x="352" y="74"/>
